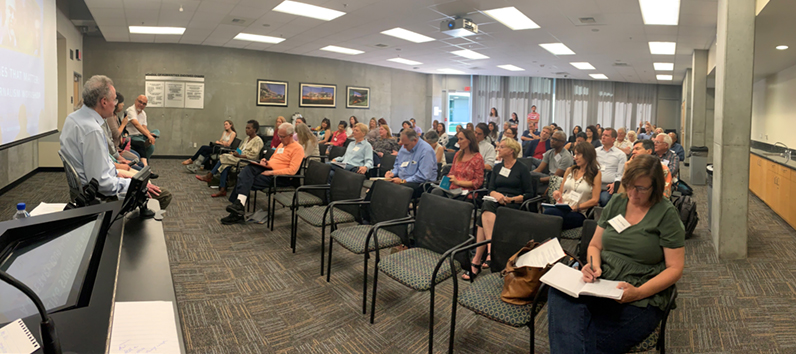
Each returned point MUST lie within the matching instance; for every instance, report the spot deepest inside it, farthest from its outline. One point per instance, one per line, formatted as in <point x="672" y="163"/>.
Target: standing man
<point x="678" y="149"/>
<point x="415" y="164"/>
<point x="612" y="165"/>
<point x="557" y="160"/>
<point x="137" y="128"/>
<point x="533" y="116"/>
<point x="84" y="145"/>
<point x="669" y="158"/>
<point x="484" y="147"/>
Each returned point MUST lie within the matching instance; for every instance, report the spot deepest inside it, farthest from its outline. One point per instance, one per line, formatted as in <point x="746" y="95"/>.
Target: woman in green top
<point x="647" y="257"/>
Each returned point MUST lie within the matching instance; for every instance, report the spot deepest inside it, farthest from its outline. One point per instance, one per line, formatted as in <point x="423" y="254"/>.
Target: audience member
<point x="621" y="142"/>
<point x="467" y="171"/>
<point x="646" y="132"/>
<point x="297" y="119"/>
<point x="536" y="148"/>
<point x="407" y="125"/>
<point x="286" y="160"/>
<point x="658" y="131"/>
<point x="352" y="121"/>
<point x="509" y="186"/>
<point x="386" y="144"/>
<point x="676" y="147"/>
<point x="415" y="163"/>
<point x="511" y="133"/>
<point x="506" y="126"/>
<point x="530" y="134"/>
<point x="534" y="116"/>
<point x="493" y="115"/>
<point x="84" y="145"/>
<point x="598" y="126"/>
<point x="612" y="165"/>
<point x="140" y="135"/>
<point x="415" y="127"/>
<point x="373" y="131"/>
<point x="599" y="131"/>
<point x="339" y="137"/>
<point x="669" y="158"/>
<point x="453" y="145"/>
<point x="308" y="141"/>
<point x="433" y="126"/>
<point x="575" y="132"/>
<point x="593" y="136"/>
<point x="492" y="138"/>
<point x="325" y="131"/>
<point x="358" y="154"/>
<point x="204" y="152"/>
<point x="573" y="192"/>
<point x="631" y="136"/>
<point x="115" y="124"/>
<point x="571" y="146"/>
<point x="432" y="139"/>
<point x="647" y="147"/>
<point x="486" y="149"/>
<point x="443" y="135"/>
<point x="647" y="258"/>
<point x="556" y="160"/>
<point x="114" y="132"/>
<point x="513" y="121"/>
<point x="470" y="127"/>
<point x="275" y="141"/>
<point x="250" y="148"/>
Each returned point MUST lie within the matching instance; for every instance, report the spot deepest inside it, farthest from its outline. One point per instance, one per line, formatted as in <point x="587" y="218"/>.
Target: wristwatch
<point x="403" y="181"/>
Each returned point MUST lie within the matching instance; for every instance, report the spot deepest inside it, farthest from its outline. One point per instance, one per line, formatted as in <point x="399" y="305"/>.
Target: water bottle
<point x="21" y="213"/>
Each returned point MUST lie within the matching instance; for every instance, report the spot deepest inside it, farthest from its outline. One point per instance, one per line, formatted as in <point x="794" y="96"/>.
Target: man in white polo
<point x="137" y="128"/>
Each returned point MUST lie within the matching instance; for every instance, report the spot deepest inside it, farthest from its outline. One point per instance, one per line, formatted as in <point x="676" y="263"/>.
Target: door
<point x="458" y="110"/>
<point x="77" y="84"/>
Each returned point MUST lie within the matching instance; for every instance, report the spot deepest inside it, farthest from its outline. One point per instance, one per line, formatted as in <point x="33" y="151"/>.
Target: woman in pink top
<point x="467" y="171"/>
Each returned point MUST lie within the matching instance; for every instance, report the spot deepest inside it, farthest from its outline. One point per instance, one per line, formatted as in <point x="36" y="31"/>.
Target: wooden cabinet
<point x="756" y="175"/>
<point x="775" y="184"/>
<point x="791" y="218"/>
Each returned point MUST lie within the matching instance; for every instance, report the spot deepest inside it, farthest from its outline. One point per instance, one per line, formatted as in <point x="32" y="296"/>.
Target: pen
<point x="591" y="265"/>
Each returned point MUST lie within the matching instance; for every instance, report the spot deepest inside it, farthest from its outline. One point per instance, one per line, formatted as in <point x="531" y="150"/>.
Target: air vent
<point x="237" y="21"/>
<point x="621" y="64"/>
<point x="587" y="20"/>
<point x="562" y="73"/>
<point x="476" y="68"/>
<point x="380" y="45"/>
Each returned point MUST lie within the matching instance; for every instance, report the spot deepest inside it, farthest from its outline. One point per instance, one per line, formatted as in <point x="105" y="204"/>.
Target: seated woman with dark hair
<point x="226" y="139"/>
<point x="250" y="148"/>
<point x="647" y="258"/>
<point x="324" y="131"/>
<point x="580" y="188"/>
<point x="509" y="186"/>
<point x="339" y="137"/>
<point x="467" y="172"/>
<point x="578" y="138"/>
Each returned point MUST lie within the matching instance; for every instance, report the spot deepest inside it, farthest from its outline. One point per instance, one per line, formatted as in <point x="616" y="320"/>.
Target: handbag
<point x="520" y="284"/>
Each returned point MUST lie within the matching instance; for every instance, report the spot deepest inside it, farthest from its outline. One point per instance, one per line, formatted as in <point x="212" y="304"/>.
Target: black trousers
<point x="251" y="178"/>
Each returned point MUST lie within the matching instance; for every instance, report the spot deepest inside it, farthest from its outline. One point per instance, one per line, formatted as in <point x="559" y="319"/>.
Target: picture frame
<point x="272" y="93"/>
<point x="317" y="95"/>
<point x="357" y="97"/>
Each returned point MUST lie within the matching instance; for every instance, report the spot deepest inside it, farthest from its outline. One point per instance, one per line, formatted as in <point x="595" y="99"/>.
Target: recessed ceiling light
<point x="451" y="71"/>
<point x="512" y="18"/>
<point x="408" y="35"/>
<point x="258" y="38"/>
<point x="469" y="54"/>
<point x="557" y="48"/>
<point x="664" y="77"/>
<point x="599" y="76"/>
<point x="663" y="66"/>
<point x="510" y="67"/>
<point x="343" y="50"/>
<point x="307" y="10"/>
<point x="405" y="61"/>
<point x="663" y="48"/>
<point x="782" y="47"/>
<point x="156" y="30"/>
<point x="583" y="65"/>
<point x="660" y="12"/>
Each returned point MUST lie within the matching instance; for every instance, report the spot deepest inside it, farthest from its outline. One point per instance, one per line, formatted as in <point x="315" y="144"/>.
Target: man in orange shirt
<point x="286" y="160"/>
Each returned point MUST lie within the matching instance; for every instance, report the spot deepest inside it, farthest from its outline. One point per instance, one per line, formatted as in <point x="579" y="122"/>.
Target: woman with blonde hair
<point x="373" y="131"/>
<point x="308" y="141"/>
<point x="385" y="144"/>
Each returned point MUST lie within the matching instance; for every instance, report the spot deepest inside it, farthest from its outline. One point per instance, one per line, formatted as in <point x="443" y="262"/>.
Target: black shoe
<point x="153" y="176"/>
<point x="237" y="208"/>
<point x="233" y="219"/>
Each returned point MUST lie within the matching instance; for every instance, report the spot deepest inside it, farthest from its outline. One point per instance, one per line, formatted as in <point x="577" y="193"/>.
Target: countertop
<point x="774" y="158"/>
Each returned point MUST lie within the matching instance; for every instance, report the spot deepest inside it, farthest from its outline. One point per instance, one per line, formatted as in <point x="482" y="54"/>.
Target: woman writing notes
<point x="639" y="241"/>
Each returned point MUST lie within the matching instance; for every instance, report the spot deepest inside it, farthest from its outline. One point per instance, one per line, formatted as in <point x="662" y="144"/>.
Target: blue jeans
<point x="571" y="220"/>
<point x="605" y="197"/>
<point x="222" y="180"/>
<point x="596" y="325"/>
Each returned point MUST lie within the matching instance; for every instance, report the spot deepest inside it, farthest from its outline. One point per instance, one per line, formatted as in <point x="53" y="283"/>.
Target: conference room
<point x="280" y="176"/>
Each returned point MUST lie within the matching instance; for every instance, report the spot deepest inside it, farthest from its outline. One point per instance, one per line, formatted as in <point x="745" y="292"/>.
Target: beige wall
<point x="774" y="108"/>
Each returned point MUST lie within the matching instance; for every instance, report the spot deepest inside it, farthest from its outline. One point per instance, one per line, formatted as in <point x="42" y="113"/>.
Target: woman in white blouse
<point x="581" y="187"/>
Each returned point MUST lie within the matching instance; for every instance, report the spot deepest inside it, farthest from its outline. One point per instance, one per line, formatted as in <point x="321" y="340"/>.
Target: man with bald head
<point x="137" y="128"/>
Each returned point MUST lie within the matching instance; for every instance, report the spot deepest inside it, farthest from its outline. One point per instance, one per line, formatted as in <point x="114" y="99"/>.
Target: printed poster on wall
<point x="194" y="95"/>
<point x="175" y="94"/>
<point x="154" y="93"/>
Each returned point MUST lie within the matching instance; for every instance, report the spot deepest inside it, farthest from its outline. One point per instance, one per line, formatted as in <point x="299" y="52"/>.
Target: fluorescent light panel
<point x="663" y="48"/>
<point x="660" y="12"/>
<point x="663" y="66"/>
<point x="307" y="10"/>
<point x="512" y="18"/>
<point x="408" y="35"/>
<point x="510" y="67"/>
<point x="782" y="47"/>
<point x="557" y="48"/>
<point x="582" y="65"/>
<point x="342" y="50"/>
<point x="664" y="77"/>
<point x="451" y="71"/>
<point x="258" y="38"/>
<point x="405" y="61"/>
<point x="469" y="54"/>
<point x="156" y="30"/>
<point x="599" y="76"/>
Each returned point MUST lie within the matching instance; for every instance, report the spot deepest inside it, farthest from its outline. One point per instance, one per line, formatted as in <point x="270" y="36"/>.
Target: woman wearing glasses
<point x="580" y="188"/>
<point x="639" y="241"/>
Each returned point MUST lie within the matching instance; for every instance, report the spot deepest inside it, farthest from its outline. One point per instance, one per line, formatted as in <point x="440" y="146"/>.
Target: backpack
<point x="688" y="214"/>
<point x="683" y="188"/>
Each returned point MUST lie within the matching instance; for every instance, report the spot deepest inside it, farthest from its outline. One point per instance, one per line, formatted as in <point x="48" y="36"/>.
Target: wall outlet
<point x="194" y="144"/>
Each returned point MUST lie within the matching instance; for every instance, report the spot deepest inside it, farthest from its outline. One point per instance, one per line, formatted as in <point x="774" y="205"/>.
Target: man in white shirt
<point x="484" y="147"/>
<point x="83" y="141"/>
<point x="612" y="165"/>
<point x="137" y="128"/>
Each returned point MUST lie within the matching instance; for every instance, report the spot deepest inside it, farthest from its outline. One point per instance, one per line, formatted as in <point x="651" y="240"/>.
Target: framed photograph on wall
<point x="318" y="95"/>
<point x="357" y="97"/>
<point x="271" y="93"/>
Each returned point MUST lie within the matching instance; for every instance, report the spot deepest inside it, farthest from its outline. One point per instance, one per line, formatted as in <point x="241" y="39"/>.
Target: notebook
<point x="560" y="206"/>
<point x="570" y="281"/>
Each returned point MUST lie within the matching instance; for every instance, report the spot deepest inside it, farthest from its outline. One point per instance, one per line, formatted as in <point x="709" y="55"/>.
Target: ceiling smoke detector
<point x="587" y="20"/>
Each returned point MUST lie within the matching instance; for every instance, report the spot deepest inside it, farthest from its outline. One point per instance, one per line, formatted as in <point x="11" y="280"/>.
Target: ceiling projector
<point x="460" y="27"/>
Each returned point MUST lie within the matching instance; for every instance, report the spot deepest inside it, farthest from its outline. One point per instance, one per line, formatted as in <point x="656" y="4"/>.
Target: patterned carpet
<point x="241" y="290"/>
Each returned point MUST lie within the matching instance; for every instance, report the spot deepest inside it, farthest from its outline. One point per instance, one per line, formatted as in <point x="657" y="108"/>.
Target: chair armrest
<point x="525" y="204"/>
<point x="313" y="187"/>
<point x="332" y="205"/>
<point x="403" y="221"/>
<point x="449" y="255"/>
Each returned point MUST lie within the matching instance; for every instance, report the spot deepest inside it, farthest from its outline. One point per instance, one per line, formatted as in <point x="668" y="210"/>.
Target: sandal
<point x="472" y="273"/>
<point x="487" y="262"/>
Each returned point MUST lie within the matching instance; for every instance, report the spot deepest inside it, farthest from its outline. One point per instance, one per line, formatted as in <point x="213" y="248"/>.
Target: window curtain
<point x="512" y="94"/>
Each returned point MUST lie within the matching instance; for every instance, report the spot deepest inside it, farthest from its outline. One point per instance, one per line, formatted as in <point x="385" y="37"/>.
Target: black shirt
<point x="517" y="183"/>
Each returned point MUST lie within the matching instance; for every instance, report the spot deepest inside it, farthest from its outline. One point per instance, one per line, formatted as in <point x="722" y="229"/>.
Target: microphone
<point x="49" y="338"/>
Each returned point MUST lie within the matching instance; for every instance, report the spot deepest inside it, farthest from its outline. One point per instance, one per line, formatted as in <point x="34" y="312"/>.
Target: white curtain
<point x="488" y="92"/>
<point x="512" y="95"/>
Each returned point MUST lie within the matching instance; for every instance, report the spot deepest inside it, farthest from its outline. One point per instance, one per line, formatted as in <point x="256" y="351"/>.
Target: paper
<point x="619" y="223"/>
<point x="144" y="327"/>
<point x="154" y="93"/>
<point x="570" y="281"/>
<point x="16" y="338"/>
<point x="356" y="148"/>
<point x="280" y="150"/>
<point x="339" y="164"/>
<point x="505" y="172"/>
<point x="557" y="158"/>
<point x="194" y="95"/>
<point x="47" y="208"/>
<point x="175" y="94"/>
<point x="539" y="257"/>
<point x="405" y="163"/>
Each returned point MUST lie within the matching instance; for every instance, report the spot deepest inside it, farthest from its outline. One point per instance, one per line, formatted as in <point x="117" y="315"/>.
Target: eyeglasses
<point x="639" y="189"/>
<point x="141" y="102"/>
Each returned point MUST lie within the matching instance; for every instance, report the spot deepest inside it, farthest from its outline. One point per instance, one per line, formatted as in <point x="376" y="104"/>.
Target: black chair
<point x="441" y="226"/>
<point x="389" y="202"/>
<point x="449" y="156"/>
<point x="336" y="152"/>
<point x="527" y="161"/>
<point x="210" y="162"/>
<point x="587" y="232"/>
<point x="387" y="164"/>
<point x="657" y="339"/>
<point x="316" y="174"/>
<point x="346" y="186"/>
<point x="513" y="229"/>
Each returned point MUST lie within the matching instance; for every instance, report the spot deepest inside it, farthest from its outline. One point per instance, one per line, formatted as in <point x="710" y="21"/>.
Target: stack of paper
<point x="144" y="327"/>
<point x="539" y="257"/>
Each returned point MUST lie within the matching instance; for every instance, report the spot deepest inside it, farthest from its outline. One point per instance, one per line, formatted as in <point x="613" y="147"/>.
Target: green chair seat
<point x="414" y="267"/>
<point x="314" y="216"/>
<point x="483" y="298"/>
<point x="572" y="234"/>
<point x="304" y="199"/>
<point x="353" y="238"/>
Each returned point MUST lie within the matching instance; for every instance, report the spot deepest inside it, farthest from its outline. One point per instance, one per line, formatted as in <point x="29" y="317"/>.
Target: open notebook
<point x="570" y="281"/>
